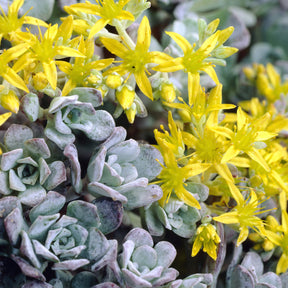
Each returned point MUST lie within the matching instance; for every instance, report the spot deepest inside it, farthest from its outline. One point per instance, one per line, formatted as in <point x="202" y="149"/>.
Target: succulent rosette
<point x="26" y="168"/>
<point x="121" y="169"/>
<point x="77" y="112"/>
<point x="145" y="265"/>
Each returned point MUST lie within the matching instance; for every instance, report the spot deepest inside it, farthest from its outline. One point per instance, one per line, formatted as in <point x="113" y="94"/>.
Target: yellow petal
<point x="244" y="232"/>
<point x="264" y="135"/>
<point x="10" y="101"/>
<point x="181" y="41"/>
<point x="223" y="170"/>
<point x="69" y="52"/>
<point x="98" y="26"/>
<point x="230" y="153"/>
<point x="187" y="197"/>
<point x="13" y="78"/>
<point x="144" y="84"/>
<point x="69" y="85"/>
<point x="224" y="35"/>
<point x="273" y="75"/>
<point x="144" y="35"/>
<point x="4" y="117"/>
<point x="193" y="87"/>
<point x="115" y="47"/>
<point x="256" y="156"/>
<point x="34" y="21"/>
<point x="211" y="72"/>
<point x="282" y="264"/>
<point x="197" y="245"/>
<point x="222" y="131"/>
<point x="51" y="73"/>
<point x="227" y="218"/>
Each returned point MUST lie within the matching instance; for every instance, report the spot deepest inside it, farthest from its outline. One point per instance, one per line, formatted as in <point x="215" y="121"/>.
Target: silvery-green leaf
<point x="28" y="251"/>
<point x="52" y="204"/>
<point x="43" y="11"/>
<point x="4" y="183"/>
<point x="57" y="176"/>
<point x="153" y="224"/>
<point x="198" y="188"/>
<point x="89" y="95"/>
<point x="176" y="221"/>
<point x="139" y="237"/>
<point x="9" y="159"/>
<point x="270" y="278"/>
<point x="133" y="280"/>
<point x="16" y="135"/>
<point x="162" y="216"/>
<point x="85" y="212"/>
<point x="71" y="265"/>
<point x="166" y="253"/>
<point x="60" y="126"/>
<point x="73" y="252"/>
<point x="173" y="205"/>
<point x="146" y="163"/>
<point x="145" y="256"/>
<point x="118" y="135"/>
<point x="96" y="189"/>
<point x="253" y="262"/>
<point x="85" y="279"/>
<point x="52" y="234"/>
<point x="128" y="248"/>
<point x="142" y="196"/>
<point x="27" y="269"/>
<point x="126" y="151"/>
<point x="140" y="182"/>
<point x="44" y="171"/>
<point x="97" y="244"/>
<point x="103" y="125"/>
<point x="110" y="213"/>
<point x="27" y="160"/>
<point x="78" y="110"/>
<point x="33" y="195"/>
<point x="38" y="147"/>
<point x="71" y="153"/>
<point x="129" y="172"/>
<point x="15" y="182"/>
<point x="61" y="140"/>
<point x="284" y="279"/>
<point x="8" y="204"/>
<point x="41" y="226"/>
<point x="168" y="275"/>
<point x="96" y="164"/>
<point x="65" y="221"/>
<point x="241" y="278"/>
<point x="185" y="231"/>
<point x="79" y="233"/>
<point x="153" y="274"/>
<point x="40" y="284"/>
<point x="14" y="223"/>
<point x="30" y="106"/>
<point x="60" y="102"/>
<point x="109" y="258"/>
<point x="110" y="177"/>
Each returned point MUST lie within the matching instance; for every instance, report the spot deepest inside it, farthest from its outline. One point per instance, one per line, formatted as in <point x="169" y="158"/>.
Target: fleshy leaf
<point x="16" y="135"/>
<point x="30" y="106"/>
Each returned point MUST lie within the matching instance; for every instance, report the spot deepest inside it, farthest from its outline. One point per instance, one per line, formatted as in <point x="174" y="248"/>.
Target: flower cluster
<point x="69" y="177"/>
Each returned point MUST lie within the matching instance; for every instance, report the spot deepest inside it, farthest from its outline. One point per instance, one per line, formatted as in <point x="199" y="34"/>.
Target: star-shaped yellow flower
<point x="43" y="52"/>
<point x="135" y="61"/>
<point x="10" y="24"/>
<point x="108" y="10"/>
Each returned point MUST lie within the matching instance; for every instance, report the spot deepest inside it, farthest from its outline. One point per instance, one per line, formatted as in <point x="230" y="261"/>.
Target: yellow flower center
<point x="194" y="61"/>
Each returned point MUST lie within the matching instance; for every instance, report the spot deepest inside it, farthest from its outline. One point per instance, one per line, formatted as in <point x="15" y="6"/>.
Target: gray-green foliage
<point x="26" y="169"/>
<point x="121" y="169"/>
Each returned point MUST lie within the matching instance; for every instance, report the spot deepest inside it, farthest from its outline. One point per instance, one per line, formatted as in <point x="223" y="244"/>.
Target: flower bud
<point x="125" y="96"/>
<point x="168" y="92"/>
<point x="10" y="101"/>
<point x="113" y="81"/>
<point x="40" y="81"/>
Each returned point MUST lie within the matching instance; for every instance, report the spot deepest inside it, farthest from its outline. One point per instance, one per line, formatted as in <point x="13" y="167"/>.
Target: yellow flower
<point x="8" y="73"/>
<point x="173" y="177"/>
<point x="10" y="101"/>
<point x="195" y="61"/>
<point x="245" y="139"/>
<point x="244" y="215"/>
<point x="44" y="51"/>
<point x="10" y="24"/>
<point x="206" y="237"/>
<point x="281" y="240"/>
<point x="135" y="61"/>
<point x="107" y="10"/>
<point x="270" y="85"/>
<point x="125" y="96"/>
<point x="81" y="68"/>
<point x="174" y="141"/>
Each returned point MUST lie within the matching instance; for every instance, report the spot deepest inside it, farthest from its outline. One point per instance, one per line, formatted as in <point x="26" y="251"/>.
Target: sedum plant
<point x="86" y="201"/>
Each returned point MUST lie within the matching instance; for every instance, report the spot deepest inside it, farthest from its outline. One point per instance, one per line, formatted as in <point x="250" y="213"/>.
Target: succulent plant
<point x="145" y="265"/>
<point x="25" y="168"/>
<point x="70" y="241"/>
<point x="76" y="112"/>
<point x="176" y="215"/>
<point x="122" y="169"/>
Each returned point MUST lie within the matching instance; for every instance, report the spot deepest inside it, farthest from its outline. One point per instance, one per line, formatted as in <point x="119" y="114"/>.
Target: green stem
<point x="124" y="35"/>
